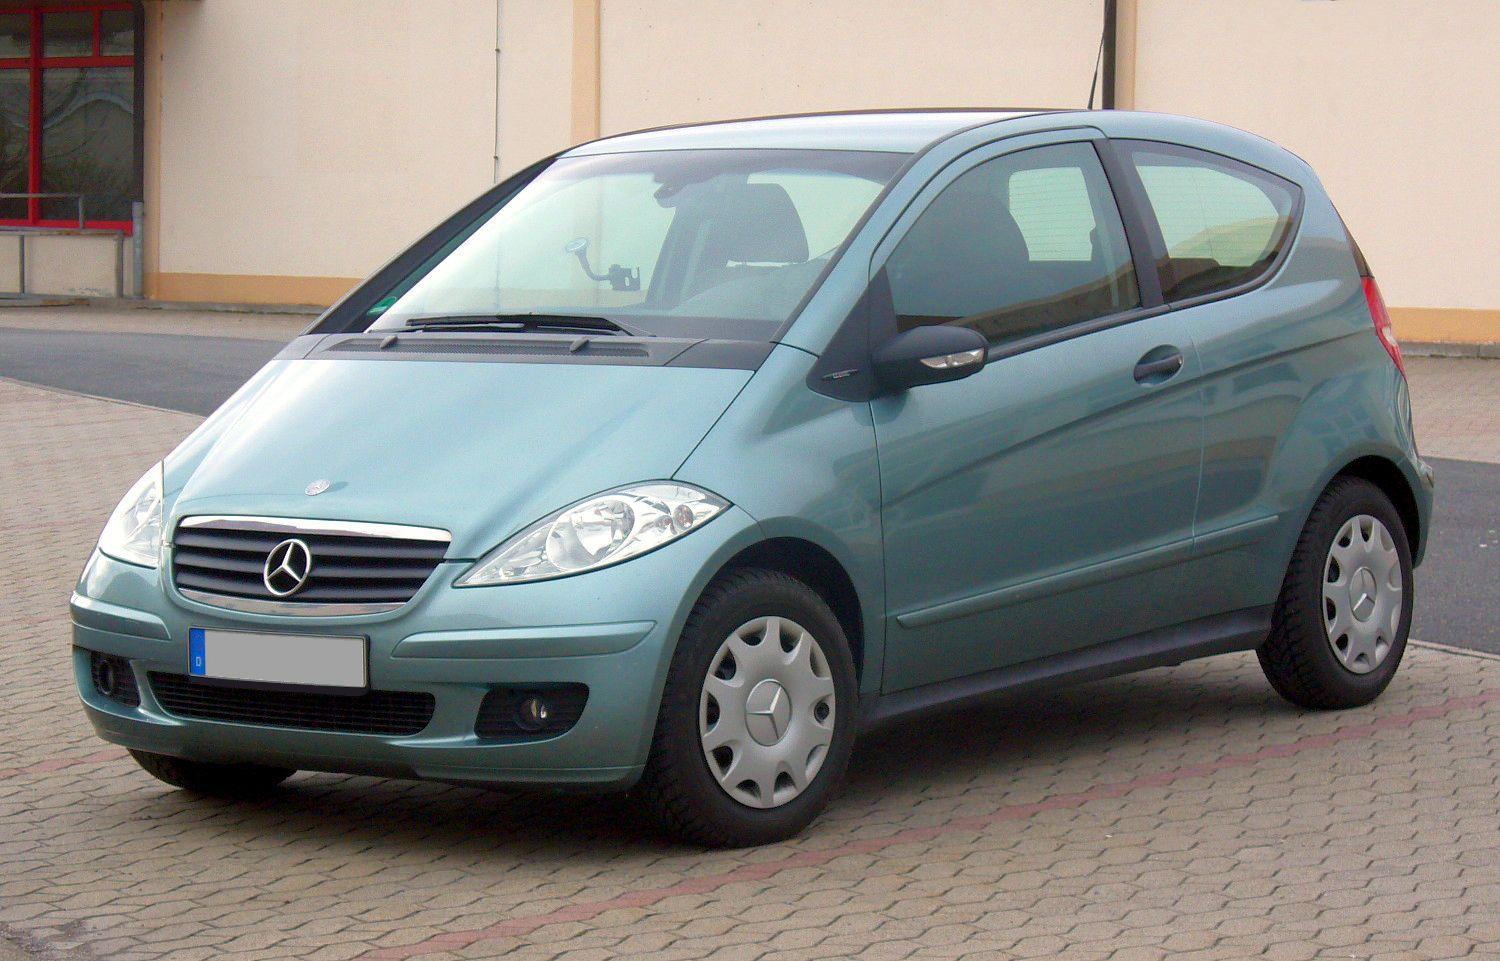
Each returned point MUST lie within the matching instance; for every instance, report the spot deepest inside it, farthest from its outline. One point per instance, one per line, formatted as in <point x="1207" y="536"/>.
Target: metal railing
<point x="81" y="229"/>
<point x="51" y="196"/>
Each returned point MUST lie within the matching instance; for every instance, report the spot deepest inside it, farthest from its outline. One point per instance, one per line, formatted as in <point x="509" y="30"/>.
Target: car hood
<point x="477" y="449"/>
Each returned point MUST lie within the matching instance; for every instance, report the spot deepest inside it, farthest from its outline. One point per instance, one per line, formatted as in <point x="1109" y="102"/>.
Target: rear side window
<point x="1019" y="245"/>
<point x="1223" y="223"/>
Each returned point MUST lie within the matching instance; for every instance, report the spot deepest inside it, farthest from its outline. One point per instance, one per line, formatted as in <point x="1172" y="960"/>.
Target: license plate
<point x="313" y="660"/>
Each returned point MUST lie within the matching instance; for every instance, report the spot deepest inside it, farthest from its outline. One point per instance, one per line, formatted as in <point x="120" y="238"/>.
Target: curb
<point x="1458" y="651"/>
<point x="133" y="303"/>
<point x="1434" y="348"/>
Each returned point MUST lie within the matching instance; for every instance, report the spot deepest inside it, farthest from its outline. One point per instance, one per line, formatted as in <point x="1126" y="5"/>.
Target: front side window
<point x="1223" y="223"/>
<point x="73" y="135"/>
<point x="703" y="243"/>
<point x="1020" y="245"/>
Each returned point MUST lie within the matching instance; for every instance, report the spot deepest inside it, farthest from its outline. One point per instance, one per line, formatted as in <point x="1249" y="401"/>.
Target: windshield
<point x="679" y="243"/>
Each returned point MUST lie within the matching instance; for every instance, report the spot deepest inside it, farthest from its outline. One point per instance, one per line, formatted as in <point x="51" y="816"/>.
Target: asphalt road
<point x="193" y="374"/>
<point x="1458" y="587"/>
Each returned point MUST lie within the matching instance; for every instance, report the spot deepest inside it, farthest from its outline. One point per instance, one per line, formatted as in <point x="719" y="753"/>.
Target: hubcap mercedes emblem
<point x="317" y="487"/>
<point x="287" y="567"/>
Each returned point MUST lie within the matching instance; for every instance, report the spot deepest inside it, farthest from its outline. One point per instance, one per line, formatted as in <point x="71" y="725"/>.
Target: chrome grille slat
<point x="223" y="559"/>
<point x="258" y="542"/>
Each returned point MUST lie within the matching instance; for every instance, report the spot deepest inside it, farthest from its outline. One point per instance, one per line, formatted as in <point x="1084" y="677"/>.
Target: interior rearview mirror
<point x="929" y="355"/>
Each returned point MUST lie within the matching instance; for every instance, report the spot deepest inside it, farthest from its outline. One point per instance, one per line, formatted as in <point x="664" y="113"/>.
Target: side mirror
<point x="929" y="355"/>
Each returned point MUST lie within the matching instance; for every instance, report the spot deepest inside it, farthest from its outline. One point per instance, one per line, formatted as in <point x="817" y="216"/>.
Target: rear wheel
<point x="218" y="780"/>
<point x="757" y="719"/>
<point x="1340" y="625"/>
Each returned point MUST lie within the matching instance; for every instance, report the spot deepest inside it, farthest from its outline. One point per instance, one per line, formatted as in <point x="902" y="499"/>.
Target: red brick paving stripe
<point x="58" y="763"/>
<point x="588" y="910"/>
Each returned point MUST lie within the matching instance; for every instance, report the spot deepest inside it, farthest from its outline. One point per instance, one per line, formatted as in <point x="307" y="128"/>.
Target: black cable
<point x="1098" y="58"/>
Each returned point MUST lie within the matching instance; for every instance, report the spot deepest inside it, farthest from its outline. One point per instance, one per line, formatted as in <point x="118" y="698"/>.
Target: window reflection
<point x="117" y="33"/>
<point x="88" y="141"/>
<point x="68" y="34"/>
<point x="15" y="35"/>
<point x="15" y="112"/>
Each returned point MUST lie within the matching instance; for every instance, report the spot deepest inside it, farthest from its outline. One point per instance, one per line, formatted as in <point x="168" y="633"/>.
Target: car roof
<point x="896" y="131"/>
<point x="912" y="131"/>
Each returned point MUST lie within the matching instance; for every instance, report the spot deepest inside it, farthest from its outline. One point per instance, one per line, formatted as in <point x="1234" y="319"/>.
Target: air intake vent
<point x="391" y="713"/>
<point x="114" y="678"/>
<point x="224" y="561"/>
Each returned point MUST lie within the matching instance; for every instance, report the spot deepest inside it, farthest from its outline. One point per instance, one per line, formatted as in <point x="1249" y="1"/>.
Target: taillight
<point x="1382" y="320"/>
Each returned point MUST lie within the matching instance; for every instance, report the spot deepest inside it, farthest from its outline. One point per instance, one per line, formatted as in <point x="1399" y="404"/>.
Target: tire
<point x="215" y="780"/>
<point x="1321" y="654"/>
<point x="680" y="792"/>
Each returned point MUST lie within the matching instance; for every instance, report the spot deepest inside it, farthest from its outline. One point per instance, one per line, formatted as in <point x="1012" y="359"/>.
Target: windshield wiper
<point x="521" y="323"/>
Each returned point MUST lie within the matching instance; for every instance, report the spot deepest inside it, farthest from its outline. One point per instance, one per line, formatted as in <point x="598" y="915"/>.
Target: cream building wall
<point x="1396" y="104"/>
<point x="680" y="61"/>
<point x="293" y="146"/>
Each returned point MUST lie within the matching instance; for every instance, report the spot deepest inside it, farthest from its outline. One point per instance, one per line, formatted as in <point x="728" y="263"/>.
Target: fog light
<point x="533" y="713"/>
<point x="530" y="712"/>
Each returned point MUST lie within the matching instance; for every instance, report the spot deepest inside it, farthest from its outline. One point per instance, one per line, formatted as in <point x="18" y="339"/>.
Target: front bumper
<point x="613" y="630"/>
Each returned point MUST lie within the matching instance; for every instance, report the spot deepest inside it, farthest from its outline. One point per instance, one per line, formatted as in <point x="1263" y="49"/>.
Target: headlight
<point x="597" y="532"/>
<point x="133" y="533"/>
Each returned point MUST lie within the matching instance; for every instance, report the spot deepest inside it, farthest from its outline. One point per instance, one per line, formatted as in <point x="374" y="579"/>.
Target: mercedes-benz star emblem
<point x="317" y="487"/>
<point x="287" y="567"/>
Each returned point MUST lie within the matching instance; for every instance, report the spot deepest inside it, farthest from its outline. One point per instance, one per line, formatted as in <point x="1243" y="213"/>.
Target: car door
<point x="1219" y="230"/>
<point x="1046" y="502"/>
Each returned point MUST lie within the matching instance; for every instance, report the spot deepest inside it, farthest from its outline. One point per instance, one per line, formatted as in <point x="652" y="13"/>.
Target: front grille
<point x="113" y="678"/>
<point x="226" y="558"/>
<point x="373" y="712"/>
<point x="500" y="714"/>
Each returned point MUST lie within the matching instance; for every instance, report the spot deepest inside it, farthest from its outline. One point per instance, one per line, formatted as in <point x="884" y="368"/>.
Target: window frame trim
<point x="36" y="63"/>
<point x="1122" y="151"/>
<point x="1134" y="236"/>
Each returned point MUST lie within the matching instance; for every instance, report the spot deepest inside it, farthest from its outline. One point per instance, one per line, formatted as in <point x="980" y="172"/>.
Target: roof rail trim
<point x="860" y="112"/>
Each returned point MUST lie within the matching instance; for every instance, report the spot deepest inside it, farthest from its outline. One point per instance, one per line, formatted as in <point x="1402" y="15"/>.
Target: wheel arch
<point x="1393" y="482"/>
<point x="820" y="570"/>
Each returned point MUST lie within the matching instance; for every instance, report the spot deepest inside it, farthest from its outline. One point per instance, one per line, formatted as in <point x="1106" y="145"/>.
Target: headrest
<point x="758" y="223"/>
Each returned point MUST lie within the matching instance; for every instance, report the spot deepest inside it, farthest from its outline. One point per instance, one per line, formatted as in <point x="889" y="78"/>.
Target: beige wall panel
<point x="1392" y="101"/>
<point x="318" y="139"/>
<point x="536" y="63"/>
<point x="10" y="263"/>
<point x="80" y="266"/>
<point x="678" y="61"/>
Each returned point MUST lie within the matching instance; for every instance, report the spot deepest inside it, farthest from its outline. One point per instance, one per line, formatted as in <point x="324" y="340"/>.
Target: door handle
<point x="1158" y="365"/>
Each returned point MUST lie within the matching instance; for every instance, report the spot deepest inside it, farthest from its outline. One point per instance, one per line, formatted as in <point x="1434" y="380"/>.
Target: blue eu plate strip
<point x="197" y="663"/>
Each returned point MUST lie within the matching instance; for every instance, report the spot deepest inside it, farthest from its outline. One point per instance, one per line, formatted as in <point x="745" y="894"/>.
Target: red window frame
<point x="37" y="63"/>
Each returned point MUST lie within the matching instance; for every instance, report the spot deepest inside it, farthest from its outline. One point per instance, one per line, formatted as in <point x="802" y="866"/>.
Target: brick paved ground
<point x="1184" y="813"/>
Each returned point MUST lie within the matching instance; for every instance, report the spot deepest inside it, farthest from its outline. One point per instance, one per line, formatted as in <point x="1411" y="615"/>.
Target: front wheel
<point x="758" y="716"/>
<point x="1340" y="625"/>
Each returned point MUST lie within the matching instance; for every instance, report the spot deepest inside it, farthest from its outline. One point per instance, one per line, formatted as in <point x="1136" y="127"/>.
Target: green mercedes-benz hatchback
<point x="677" y="460"/>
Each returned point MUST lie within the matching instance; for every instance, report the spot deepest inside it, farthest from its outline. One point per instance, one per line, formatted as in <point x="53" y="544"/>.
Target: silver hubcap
<point x="766" y="715"/>
<point x="1362" y="594"/>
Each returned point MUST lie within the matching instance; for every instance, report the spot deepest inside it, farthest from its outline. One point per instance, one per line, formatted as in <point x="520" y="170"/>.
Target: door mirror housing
<point x="929" y="355"/>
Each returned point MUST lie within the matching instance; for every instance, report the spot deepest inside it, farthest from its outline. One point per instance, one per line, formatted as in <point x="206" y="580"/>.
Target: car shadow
<point x="892" y="769"/>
